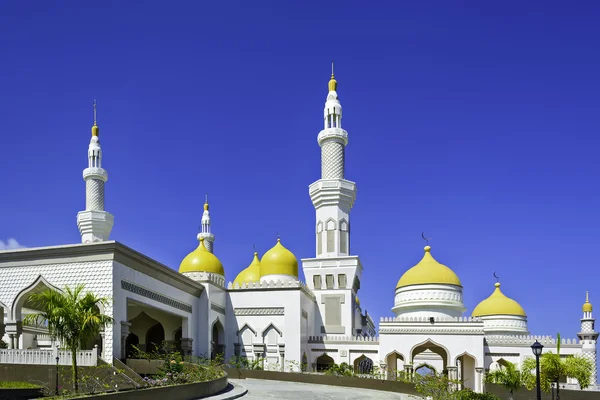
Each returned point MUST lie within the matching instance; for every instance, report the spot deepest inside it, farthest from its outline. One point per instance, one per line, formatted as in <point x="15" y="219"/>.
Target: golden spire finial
<point x="332" y="82"/>
<point x="587" y="297"/>
<point x="587" y="306"/>
<point x="95" y="129"/>
<point x="206" y="203"/>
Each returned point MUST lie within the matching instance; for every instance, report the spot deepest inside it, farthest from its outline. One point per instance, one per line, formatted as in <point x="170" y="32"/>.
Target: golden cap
<point x="201" y="260"/>
<point x="587" y="306"/>
<point x="95" y="130"/>
<point x="428" y="271"/>
<point x="279" y="261"/>
<point x="332" y="83"/>
<point x="250" y="274"/>
<point x="205" y="205"/>
<point x="498" y="304"/>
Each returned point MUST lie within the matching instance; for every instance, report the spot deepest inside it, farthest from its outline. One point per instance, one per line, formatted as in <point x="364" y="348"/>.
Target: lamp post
<point x="537" y="348"/>
<point x="56" y="373"/>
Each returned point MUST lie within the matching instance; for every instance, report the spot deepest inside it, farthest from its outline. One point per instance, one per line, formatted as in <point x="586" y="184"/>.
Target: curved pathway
<point x="259" y="389"/>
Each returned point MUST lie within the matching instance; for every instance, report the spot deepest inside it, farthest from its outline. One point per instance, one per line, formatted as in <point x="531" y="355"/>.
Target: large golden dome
<point x="250" y="274"/>
<point x="498" y="304"/>
<point x="201" y="260"/>
<point x="428" y="271"/>
<point x="279" y="261"/>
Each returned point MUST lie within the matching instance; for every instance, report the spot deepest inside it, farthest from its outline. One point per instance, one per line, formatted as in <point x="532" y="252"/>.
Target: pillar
<point x="479" y="387"/>
<point x="408" y="371"/>
<point x="453" y="376"/>
<point x="124" y="333"/>
<point x="186" y="346"/>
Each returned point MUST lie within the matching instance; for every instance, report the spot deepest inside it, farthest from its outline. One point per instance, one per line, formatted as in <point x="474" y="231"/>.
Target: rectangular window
<point x="344" y="242"/>
<point x="319" y="243"/>
<point x="329" y="281"/>
<point x="330" y="241"/>
<point x="332" y="311"/>
<point x="317" y="281"/>
<point x="342" y="281"/>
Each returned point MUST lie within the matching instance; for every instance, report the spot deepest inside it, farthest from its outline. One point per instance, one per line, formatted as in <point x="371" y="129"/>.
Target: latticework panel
<point x="94" y="195"/>
<point x="332" y="160"/>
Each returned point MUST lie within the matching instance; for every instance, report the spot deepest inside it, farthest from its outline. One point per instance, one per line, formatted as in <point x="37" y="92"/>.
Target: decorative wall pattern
<point x="259" y="311"/>
<point x="133" y="288"/>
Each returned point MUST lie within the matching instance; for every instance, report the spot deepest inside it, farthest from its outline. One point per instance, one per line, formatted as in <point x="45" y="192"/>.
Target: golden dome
<point x="250" y="274"/>
<point x="428" y="271"/>
<point x="587" y="306"/>
<point x="95" y="130"/>
<point x="279" y="261"/>
<point x="201" y="260"/>
<point x="498" y="304"/>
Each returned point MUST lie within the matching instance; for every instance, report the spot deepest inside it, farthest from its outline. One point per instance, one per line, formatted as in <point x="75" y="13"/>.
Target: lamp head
<point x="537" y="348"/>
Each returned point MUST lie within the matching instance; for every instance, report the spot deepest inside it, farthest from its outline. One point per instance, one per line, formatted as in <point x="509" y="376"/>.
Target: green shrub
<point x="18" y="385"/>
<point x="468" y="394"/>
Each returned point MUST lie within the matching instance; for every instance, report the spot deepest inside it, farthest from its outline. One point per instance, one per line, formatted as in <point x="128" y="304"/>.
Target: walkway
<point x="259" y="389"/>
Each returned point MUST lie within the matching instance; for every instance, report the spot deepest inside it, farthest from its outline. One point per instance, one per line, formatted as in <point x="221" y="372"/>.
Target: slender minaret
<point x="589" y="338"/>
<point x="205" y="233"/>
<point x="333" y="275"/>
<point x="94" y="223"/>
<point x="332" y="195"/>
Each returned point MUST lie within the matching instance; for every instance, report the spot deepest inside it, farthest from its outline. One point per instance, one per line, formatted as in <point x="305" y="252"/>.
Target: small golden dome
<point x="95" y="130"/>
<point x="206" y="207"/>
<point x="332" y="83"/>
<point x="279" y="261"/>
<point x="498" y="304"/>
<point x="201" y="260"/>
<point x="250" y="274"/>
<point x="428" y="271"/>
<point x="587" y="306"/>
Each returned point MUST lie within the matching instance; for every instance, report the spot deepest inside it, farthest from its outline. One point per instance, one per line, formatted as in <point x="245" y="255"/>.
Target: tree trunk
<point x="510" y="395"/>
<point x="74" y="365"/>
<point x="557" y="390"/>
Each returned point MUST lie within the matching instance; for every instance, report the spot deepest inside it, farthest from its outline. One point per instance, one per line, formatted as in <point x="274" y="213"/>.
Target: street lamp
<point x="56" y="373"/>
<point x="537" y="348"/>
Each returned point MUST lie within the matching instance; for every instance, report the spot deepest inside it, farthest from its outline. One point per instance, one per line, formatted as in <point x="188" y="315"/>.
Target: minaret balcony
<point x="333" y="133"/>
<point x="331" y="192"/>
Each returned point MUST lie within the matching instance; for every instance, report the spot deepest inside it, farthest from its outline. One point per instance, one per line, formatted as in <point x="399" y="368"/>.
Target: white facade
<point x="276" y="320"/>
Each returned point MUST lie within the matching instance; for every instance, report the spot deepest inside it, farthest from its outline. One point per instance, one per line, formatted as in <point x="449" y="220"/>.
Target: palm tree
<point x="72" y="317"/>
<point x="553" y="367"/>
<point x="508" y="377"/>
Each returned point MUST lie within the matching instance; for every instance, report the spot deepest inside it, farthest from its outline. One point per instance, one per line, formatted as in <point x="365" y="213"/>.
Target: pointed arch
<point x="397" y="353"/>
<point x="217" y="338"/>
<point x="344" y="225"/>
<point x="330" y="224"/>
<point x="246" y="327"/>
<point x="40" y="283"/>
<point x="269" y="327"/>
<point x="432" y="345"/>
<point x="425" y="365"/>
<point x="323" y="362"/>
<point x="363" y="365"/>
<point x="466" y="353"/>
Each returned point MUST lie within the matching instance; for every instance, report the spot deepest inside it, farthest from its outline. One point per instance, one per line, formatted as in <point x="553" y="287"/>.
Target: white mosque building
<point x="267" y="314"/>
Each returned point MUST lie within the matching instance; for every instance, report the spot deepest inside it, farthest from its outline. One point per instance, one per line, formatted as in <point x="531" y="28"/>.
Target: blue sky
<point x="476" y="123"/>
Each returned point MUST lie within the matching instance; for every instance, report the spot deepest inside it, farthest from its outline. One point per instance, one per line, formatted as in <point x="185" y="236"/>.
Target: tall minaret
<point x="94" y="223"/>
<point x="332" y="195"/>
<point x="205" y="232"/>
<point x="333" y="275"/>
<point x="589" y="337"/>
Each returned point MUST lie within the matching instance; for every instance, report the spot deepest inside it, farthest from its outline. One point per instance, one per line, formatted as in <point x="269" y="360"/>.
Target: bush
<point x="468" y="394"/>
<point x="18" y="385"/>
<point x="342" y="369"/>
<point x="3" y="344"/>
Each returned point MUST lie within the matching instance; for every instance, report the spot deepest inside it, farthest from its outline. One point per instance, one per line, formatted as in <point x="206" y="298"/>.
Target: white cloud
<point x="10" y="244"/>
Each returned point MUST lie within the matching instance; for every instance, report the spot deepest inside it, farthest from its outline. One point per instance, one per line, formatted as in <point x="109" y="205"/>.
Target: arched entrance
<point x="466" y="370"/>
<point x="177" y="341"/>
<point x="131" y="343"/>
<point x="431" y="353"/>
<point x="155" y="338"/>
<point x="363" y="365"/>
<point x="425" y="369"/>
<point x="218" y="340"/>
<point x="395" y="365"/>
<point x="324" y="362"/>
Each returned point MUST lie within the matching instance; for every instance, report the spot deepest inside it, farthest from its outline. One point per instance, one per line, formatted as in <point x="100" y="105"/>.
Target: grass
<point x="18" y="385"/>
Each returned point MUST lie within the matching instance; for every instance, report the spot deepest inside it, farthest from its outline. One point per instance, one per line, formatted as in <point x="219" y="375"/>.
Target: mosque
<point x="267" y="314"/>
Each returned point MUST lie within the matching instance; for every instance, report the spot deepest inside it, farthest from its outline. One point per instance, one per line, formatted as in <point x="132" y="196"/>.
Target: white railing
<point x="85" y="358"/>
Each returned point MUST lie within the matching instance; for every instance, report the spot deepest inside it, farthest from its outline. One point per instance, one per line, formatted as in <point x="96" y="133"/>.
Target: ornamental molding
<point x="273" y="285"/>
<point x="527" y="340"/>
<point x="370" y="351"/>
<point x="503" y="354"/>
<point x="324" y="350"/>
<point x="428" y="319"/>
<point x="254" y="311"/>
<point x="217" y="308"/>
<point x="366" y="340"/>
<point x="207" y="277"/>
<point x="432" y="331"/>
<point x="133" y="288"/>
